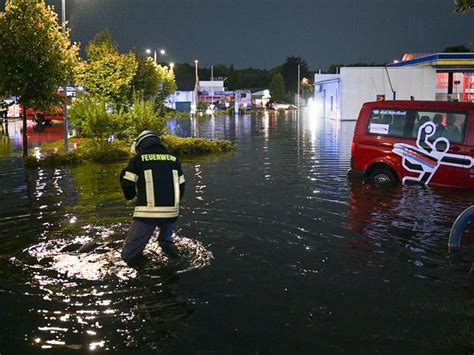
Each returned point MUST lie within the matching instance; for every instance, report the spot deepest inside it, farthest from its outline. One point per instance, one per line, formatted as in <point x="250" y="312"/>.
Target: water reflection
<point x="11" y="133"/>
<point x="70" y="261"/>
<point x="298" y="250"/>
<point x="88" y="292"/>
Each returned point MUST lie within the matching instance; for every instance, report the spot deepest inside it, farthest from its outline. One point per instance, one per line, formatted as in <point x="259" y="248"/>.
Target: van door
<point x="449" y="146"/>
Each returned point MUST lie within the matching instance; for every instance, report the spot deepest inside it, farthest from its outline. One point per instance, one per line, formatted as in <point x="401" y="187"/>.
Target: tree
<point x="36" y="57"/>
<point x="463" y="6"/>
<point x="307" y="88"/>
<point x="147" y="79"/>
<point x="456" y="49"/>
<point x="185" y="76"/>
<point x="277" y="87"/>
<point x="107" y="73"/>
<point x="289" y="70"/>
<point x="336" y="68"/>
<point x="167" y="84"/>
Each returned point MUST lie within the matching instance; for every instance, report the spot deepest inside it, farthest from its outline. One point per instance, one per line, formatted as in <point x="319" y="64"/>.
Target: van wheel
<point x="382" y="176"/>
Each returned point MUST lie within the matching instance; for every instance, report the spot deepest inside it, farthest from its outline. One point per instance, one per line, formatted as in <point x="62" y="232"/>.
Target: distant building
<point x="209" y="92"/>
<point x="180" y="101"/>
<point x="440" y="77"/>
<point x="261" y="98"/>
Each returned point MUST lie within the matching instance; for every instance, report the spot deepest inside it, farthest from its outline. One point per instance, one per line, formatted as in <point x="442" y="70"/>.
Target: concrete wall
<point x="359" y="85"/>
<point x="327" y="94"/>
<point x="362" y="84"/>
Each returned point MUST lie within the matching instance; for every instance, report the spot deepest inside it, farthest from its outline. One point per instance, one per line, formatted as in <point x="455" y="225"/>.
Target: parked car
<point x="282" y="106"/>
<point x="423" y="142"/>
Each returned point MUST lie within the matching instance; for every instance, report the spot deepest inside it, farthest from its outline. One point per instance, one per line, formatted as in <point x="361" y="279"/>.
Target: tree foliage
<point x="36" y="57"/>
<point x="289" y="70"/>
<point x="307" y="88"/>
<point x="463" y="6"/>
<point x="277" y="87"/>
<point x="142" y="116"/>
<point x="107" y="73"/>
<point x="167" y="84"/>
<point x="146" y="80"/>
<point x="335" y="68"/>
<point x="456" y="49"/>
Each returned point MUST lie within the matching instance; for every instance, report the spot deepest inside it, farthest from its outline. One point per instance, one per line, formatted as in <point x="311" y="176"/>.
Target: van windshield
<point x="405" y="123"/>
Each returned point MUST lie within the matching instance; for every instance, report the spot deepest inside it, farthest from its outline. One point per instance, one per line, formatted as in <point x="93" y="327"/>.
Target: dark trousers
<point x="140" y="233"/>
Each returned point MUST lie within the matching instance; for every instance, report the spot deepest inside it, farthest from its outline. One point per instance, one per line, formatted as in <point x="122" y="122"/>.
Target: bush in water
<point x="95" y="120"/>
<point x="195" y="146"/>
<point x="142" y="116"/>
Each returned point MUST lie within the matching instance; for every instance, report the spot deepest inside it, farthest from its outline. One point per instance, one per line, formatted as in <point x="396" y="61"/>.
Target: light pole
<point x="155" y="56"/>
<point x="299" y="85"/>
<point x="66" y="123"/>
<point x="196" y="67"/>
<point x="196" y="88"/>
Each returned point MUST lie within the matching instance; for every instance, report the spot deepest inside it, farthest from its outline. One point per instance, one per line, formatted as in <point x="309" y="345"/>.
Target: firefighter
<point x="155" y="176"/>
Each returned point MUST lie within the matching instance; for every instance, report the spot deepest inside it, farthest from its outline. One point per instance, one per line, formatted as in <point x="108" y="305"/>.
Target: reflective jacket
<point x="156" y="178"/>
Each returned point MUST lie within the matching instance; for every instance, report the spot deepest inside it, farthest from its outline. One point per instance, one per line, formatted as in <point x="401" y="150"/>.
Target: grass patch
<point x="86" y="149"/>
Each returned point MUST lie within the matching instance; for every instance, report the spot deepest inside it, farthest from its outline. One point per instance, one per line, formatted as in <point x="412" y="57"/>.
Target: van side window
<point x="451" y="125"/>
<point x="391" y="122"/>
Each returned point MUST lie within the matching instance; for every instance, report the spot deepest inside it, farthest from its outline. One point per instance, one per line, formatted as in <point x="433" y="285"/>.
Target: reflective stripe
<point x="150" y="193"/>
<point x="181" y="179"/>
<point x="156" y="212"/>
<point x="130" y="176"/>
<point x="164" y="209"/>
<point x="176" y="187"/>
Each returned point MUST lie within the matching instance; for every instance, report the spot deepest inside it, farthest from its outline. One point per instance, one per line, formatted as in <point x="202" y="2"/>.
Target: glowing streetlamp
<point x="155" y="56"/>
<point x="171" y="66"/>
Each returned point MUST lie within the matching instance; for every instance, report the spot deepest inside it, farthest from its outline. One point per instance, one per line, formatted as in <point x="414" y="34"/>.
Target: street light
<point x="155" y="57"/>
<point x="171" y="66"/>
<point x="196" y="66"/>
<point x="196" y="88"/>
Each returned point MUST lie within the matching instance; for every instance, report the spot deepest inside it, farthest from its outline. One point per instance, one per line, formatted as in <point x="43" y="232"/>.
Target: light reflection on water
<point x="303" y="258"/>
<point x="88" y="293"/>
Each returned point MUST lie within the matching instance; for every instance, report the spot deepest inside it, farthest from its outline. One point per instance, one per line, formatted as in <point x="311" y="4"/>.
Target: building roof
<point x="440" y="61"/>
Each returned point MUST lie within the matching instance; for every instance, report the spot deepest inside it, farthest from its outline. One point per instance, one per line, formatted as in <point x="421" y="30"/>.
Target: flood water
<point x="279" y="253"/>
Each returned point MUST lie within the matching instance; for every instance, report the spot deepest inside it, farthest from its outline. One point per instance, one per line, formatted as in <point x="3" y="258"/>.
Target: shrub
<point x="88" y="150"/>
<point x="142" y="116"/>
<point x="93" y="119"/>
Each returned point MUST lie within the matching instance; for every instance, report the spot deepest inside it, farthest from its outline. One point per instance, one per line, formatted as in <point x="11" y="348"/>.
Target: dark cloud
<point x="262" y="33"/>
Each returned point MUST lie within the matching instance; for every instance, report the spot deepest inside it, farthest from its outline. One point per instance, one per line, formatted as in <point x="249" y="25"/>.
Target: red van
<point x="423" y="142"/>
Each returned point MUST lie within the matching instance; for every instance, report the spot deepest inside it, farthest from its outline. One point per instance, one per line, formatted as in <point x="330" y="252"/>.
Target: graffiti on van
<point x="426" y="157"/>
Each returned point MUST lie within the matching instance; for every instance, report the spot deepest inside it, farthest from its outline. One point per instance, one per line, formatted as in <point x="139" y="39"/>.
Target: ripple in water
<point x="83" y="258"/>
<point x="92" y="300"/>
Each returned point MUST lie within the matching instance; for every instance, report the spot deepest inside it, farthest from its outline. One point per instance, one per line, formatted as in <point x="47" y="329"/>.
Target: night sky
<point x="262" y="33"/>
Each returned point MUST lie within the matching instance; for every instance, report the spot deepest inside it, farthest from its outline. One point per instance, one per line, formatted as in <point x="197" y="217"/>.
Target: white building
<point x="340" y="96"/>
<point x="180" y="101"/>
<point x="441" y="77"/>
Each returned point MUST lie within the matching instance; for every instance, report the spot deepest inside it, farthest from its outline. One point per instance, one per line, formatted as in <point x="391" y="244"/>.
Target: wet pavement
<point x="277" y="252"/>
